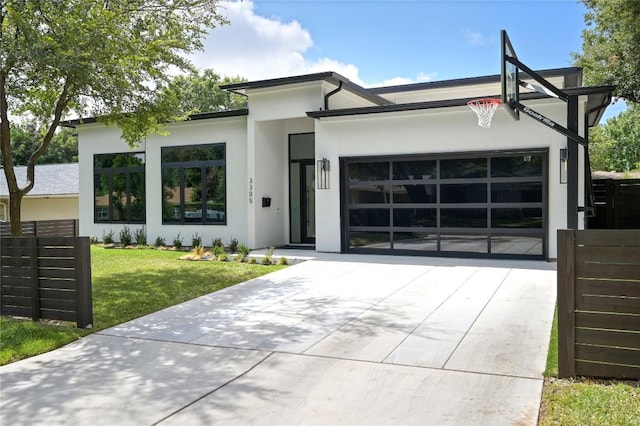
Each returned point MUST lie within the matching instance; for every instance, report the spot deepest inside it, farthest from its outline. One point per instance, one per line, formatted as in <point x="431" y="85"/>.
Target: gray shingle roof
<point x="51" y="179"/>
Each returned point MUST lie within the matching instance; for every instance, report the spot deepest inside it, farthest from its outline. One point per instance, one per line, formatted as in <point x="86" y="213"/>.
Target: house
<point x="54" y="195"/>
<point x="319" y="161"/>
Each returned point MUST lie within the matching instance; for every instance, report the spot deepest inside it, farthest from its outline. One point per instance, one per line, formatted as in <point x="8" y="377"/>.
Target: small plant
<point x="233" y="245"/>
<point x="252" y="260"/>
<point x="196" y="240"/>
<point x="126" y="237"/>
<point x="160" y="242"/>
<point x="177" y="242"/>
<point x="218" y="250"/>
<point x="93" y="239"/>
<point x="197" y="252"/>
<point x="223" y="257"/>
<point x="266" y="260"/>
<point x="140" y="235"/>
<point x="107" y="237"/>
<point x="243" y="251"/>
<point x="283" y="261"/>
<point x="217" y="242"/>
<point x="268" y="256"/>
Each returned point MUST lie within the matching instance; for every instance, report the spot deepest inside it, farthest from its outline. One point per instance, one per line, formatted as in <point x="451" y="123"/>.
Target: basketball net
<point x="484" y="108"/>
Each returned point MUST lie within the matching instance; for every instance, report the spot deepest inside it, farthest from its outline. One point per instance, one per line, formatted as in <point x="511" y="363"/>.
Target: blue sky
<point x="379" y="42"/>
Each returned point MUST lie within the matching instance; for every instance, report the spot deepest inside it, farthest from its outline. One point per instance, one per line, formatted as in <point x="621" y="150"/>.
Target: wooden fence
<point x="617" y="204"/>
<point x="46" y="278"/>
<point x="599" y="303"/>
<point x="44" y="228"/>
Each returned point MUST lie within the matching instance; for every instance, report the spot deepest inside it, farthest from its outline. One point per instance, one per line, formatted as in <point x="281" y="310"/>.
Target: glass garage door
<point x="481" y="205"/>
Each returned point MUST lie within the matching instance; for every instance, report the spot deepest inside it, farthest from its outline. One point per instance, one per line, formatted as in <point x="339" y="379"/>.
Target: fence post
<point x="84" y="300"/>
<point x="566" y="303"/>
<point x="32" y="243"/>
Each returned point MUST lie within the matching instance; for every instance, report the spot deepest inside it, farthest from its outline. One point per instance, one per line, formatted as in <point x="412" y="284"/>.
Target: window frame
<point x="202" y="165"/>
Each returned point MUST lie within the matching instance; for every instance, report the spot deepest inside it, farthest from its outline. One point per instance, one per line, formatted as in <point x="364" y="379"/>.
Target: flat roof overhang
<point x="598" y="98"/>
<point x="193" y="117"/>
<point x="329" y="77"/>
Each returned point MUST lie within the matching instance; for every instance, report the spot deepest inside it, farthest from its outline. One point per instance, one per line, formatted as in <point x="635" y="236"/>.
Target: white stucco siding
<point x="453" y="130"/>
<point x="95" y="139"/>
<point x="285" y="102"/>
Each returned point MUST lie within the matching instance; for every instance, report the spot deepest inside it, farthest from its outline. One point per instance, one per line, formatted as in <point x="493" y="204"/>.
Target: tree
<point x="611" y="46"/>
<point x="25" y="139"/>
<point x="200" y="92"/>
<point x="615" y="145"/>
<point x="103" y="58"/>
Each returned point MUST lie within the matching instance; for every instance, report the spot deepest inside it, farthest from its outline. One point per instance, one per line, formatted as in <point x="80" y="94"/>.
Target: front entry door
<point x="302" y="196"/>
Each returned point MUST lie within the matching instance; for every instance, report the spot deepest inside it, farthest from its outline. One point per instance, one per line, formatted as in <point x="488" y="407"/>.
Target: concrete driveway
<point x="341" y="339"/>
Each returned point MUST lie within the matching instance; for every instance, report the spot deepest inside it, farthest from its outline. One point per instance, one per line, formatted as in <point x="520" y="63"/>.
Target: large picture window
<point x="194" y="185"/>
<point x="118" y="187"/>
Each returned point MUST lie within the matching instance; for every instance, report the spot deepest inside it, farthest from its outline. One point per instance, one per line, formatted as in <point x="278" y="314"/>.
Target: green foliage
<point x="26" y="138"/>
<point x="177" y="241"/>
<point x="93" y="239"/>
<point x="610" y="53"/>
<point x="218" y="250"/>
<point x="243" y="251"/>
<point x="126" y="237"/>
<point x="283" y="261"/>
<point x="160" y="242"/>
<point x="223" y="257"/>
<point x="615" y="145"/>
<point x="217" y="242"/>
<point x="140" y="236"/>
<point x="200" y="91"/>
<point x="268" y="256"/>
<point x="107" y="237"/>
<point x="233" y="245"/>
<point x="196" y="240"/>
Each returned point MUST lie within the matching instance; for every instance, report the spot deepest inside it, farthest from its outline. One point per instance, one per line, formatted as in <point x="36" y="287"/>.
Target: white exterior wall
<point x="94" y="139"/>
<point x="453" y="130"/>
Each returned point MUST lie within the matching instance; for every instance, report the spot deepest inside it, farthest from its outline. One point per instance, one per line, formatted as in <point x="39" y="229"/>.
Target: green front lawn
<point x="585" y="401"/>
<point x="127" y="284"/>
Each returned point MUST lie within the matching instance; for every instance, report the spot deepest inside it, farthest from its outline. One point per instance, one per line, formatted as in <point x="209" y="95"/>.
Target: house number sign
<point x="250" y="190"/>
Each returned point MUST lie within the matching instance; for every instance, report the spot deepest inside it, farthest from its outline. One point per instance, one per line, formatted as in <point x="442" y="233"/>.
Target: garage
<point x="473" y="204"/>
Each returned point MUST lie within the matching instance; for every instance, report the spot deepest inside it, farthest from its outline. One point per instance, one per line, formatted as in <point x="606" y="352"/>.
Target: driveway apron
<point x="337" y="339"/>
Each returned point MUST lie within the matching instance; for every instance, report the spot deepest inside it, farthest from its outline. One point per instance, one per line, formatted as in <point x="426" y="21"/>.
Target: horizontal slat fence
<point x="617" y="204"/>
<point x="44" y="228"/>
<point x="599" y="303"/>
<point x="46" y="278"/>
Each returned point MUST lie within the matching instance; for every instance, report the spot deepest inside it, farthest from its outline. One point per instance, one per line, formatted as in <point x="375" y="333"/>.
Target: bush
<point x="177" y="241"/>
<point x="222" y="257"/>
<point x="140" y="235"/>
<point x="125" y="236"/>
<point x="107" y="237"/>
<point x="217" y="242"/>
<point x="93" y="239"/>
<point x="196" y="240"/>
<point x="243" y="251"/>
<point x="233" y="245"/>
<point x="160" y="242"/>
<point x="218" y="250"/>
<point x="252" y="260"/>
<point x="283" y="261"/>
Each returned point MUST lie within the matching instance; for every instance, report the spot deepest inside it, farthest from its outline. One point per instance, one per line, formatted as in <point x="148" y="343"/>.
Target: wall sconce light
<point x="322" y="176"/>
<point x="564" y="161"/>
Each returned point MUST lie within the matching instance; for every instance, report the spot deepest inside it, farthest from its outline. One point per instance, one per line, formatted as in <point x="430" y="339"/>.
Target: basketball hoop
<point x="485" y="109"/>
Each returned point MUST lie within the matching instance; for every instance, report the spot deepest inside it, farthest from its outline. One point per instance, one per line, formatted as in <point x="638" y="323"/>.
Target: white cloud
<point x="257" y="47"/>
<point x="474" y="38"/>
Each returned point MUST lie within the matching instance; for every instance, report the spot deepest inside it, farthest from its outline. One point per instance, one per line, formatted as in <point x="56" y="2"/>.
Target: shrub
<point x="93" y="239"/>
<point x="107" y="237"/>
<point x="218" y="250"/>
<point x="160" y="242"/>
<point x="196" y="240"/>
<point x="125" y="236"/>
<point x="217" y="242"/>
<point x="252" y="260"/>
<point x="266" y="260"/>
<point x="233" y="245"/>
<point x="140" y="235"/>
<point x="197" y="252"/>
<point x="283" y="261"/>
<point x="243" y="251"/>
<point x="222" y="257"/>
<point x="177" y="241"/>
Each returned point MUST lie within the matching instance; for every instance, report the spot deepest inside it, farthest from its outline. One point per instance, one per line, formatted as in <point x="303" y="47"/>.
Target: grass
<point x="127" y="284"/>
<point x="583" y="401"/>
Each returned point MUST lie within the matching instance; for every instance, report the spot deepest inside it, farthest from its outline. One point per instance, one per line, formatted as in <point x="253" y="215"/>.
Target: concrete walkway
<point x="338" y="339"/>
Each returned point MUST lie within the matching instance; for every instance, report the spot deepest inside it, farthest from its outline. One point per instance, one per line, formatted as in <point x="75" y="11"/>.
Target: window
<point x="119" y="188"/>
<point x="194" y="185"/>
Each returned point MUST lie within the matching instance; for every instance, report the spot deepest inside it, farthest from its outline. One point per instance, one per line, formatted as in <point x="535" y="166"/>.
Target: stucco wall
<point x="453" y="130"/>
<point x="51" y="208"/>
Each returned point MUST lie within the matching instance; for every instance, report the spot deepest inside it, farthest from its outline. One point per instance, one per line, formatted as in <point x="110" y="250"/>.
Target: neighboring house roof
<point x="50" y="179"/>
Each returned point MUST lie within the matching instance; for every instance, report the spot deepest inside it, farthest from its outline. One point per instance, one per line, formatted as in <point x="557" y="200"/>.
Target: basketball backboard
<point x="509" y="77"/>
